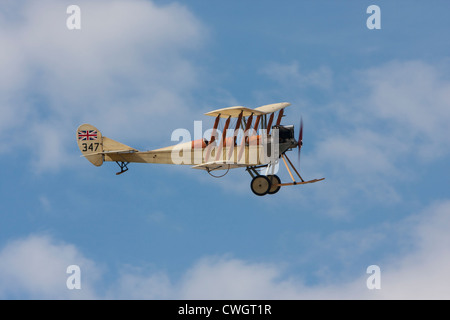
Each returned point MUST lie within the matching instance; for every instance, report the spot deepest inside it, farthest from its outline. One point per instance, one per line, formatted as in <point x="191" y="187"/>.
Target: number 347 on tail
<point x="253" y="139"/>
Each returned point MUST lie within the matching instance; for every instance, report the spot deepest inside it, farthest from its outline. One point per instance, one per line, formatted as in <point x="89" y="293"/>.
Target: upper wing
<point x="234" y="112"/>
<point x="270" y="108"/>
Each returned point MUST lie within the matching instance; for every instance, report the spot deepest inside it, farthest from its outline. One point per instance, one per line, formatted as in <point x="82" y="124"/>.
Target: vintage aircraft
<point x="253" y="146"/>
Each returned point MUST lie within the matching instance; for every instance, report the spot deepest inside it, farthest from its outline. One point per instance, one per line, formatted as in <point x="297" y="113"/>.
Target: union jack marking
<point x="85" y="135"/>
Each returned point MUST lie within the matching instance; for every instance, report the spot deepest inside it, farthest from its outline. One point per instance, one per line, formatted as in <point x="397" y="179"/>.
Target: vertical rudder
<point x="90" y="142"/>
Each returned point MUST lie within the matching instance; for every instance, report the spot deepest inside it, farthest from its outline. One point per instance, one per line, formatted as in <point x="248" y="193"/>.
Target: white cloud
<point x="414" y="98"/>
<point x="291" y="75"/>
<point x="227" y="278"/>
<point x="423" y="274"/>
<point x="127" y="71"/>
<point x="35" y="267"/>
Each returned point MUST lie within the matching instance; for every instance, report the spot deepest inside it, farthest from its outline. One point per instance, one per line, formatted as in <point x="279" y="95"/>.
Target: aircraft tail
<point x="90" y="142"/>
<point x="93" y="145"/>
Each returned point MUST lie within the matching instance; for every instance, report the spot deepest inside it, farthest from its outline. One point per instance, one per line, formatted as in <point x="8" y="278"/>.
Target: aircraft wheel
<point x="260" y="185"/>
<point x="274" y="180"/>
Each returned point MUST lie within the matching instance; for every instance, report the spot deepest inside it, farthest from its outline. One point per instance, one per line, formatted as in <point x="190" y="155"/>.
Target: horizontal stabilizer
<point x="111" y="152"/>
<point x="110" y="145"/>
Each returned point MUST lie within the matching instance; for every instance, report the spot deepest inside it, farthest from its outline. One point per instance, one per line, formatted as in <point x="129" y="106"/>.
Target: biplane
<point x="255" y="140"/>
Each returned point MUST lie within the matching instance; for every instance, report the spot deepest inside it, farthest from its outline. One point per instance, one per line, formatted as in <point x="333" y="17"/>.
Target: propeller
<point x="300" y="140"/>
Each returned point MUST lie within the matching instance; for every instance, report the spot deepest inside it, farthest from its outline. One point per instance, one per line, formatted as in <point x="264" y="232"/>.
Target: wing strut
<point x="280" y="115"/>
<point x="213" y="133"/>
<point x="238" y="123"/>
<point x="269" y="125"/>
<point x="245" y="137"/>
<point x="213" y="138"/>
<point x="222" y="141"/>
<point x="255" y="127"/>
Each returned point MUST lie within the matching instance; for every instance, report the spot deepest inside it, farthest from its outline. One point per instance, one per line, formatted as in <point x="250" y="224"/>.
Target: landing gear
<point x="263" y="184"/>
<point x="260" y="185"/>
<point x="274" y="184"/>
<point x="270" y="183"/>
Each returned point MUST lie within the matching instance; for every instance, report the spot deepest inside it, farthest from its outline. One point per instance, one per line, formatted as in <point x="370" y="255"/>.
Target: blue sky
<point x="376" y="108"/>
